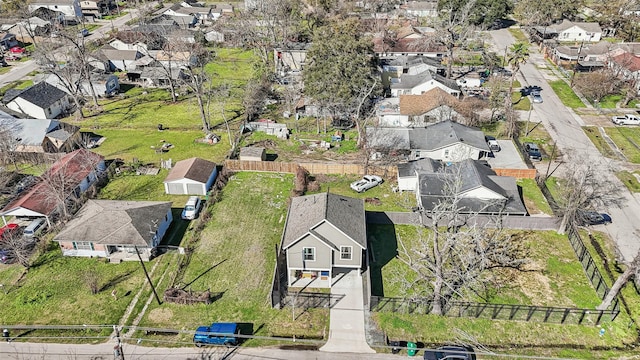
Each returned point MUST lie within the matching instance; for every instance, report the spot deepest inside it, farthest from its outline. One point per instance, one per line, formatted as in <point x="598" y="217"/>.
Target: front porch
<point x="319" y="279"/>
<point x="118" y="254"/>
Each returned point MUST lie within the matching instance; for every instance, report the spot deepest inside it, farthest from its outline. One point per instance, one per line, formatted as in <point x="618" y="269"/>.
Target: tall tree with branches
<point x="341" y="73"/>
<point x="454" y="255"/>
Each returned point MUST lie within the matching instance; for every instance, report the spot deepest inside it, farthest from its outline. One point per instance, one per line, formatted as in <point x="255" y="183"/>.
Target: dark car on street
<point x="594" y="218"/>
<point x="450" y="352"/>
<point x="532" y="151"/>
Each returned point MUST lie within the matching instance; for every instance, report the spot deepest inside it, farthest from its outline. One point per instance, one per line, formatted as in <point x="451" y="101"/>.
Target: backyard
<point x="554" y="278"/>
<point x="627" y="139"/>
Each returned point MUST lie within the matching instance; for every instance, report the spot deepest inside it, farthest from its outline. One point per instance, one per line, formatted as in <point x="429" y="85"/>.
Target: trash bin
<point x="395" y="347"/>
<point x="412" y="348"/>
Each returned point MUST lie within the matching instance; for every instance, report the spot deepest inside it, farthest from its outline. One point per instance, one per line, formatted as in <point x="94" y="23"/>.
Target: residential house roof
<point x="409" y="169"/>
<point x="115" y="54"/>
<point x="193" y="169"/>
<point x="472" y="175"/>
<point x="112" y="222"/>
<point x="345" y="213"/>
<point x="587" y="26"/>
<point x="6" y="36"/>
<point x="414" y="60"/>
<point x="32" y="132"/>
<point x="432" y="99"/>
<point x="159" y="72"/>
<point x="72" y="168"/>
<point x="42" y="94"/>
<point x="252" y="151"/>
<point x="410" y="81"/>
<point x="628" y="61"/>
<point x="431" y="137"/>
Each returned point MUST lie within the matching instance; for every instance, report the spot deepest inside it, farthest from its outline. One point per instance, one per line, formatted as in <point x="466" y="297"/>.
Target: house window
<point x="446" y="153"/>
<point x="82" y="245"/>
<point x="309" y="254"/>
<point x="346" y="252"/>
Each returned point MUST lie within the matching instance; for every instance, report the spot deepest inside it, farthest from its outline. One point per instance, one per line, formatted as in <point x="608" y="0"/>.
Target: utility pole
<point x="147" y="275"/>
<point x="118" y="354"/>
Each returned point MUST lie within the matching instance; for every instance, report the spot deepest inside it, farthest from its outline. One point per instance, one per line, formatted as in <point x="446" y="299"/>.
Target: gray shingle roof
<point x="427" y="165"/>
<point x="345" y="213"/>
<point x="42" y="94"/>
<point x="473" y="175"/>
<point x="112" y="222"/>
<point x="411" y="81"/>
<point x="446" y="133"/>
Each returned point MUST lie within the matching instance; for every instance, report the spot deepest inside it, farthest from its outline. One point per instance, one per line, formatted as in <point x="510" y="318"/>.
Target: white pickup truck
<point x="627" y="119"/>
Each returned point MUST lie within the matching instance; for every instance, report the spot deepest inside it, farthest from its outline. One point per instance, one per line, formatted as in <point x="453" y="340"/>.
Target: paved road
<point x="20" y="70"/>
<point x="564" y="126"/>
<point x="23" y="351"/>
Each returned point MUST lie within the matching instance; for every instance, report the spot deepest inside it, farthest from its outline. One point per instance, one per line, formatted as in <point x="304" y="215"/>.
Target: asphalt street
<point x="23" y="351"/>
<point x="564" y="126"/>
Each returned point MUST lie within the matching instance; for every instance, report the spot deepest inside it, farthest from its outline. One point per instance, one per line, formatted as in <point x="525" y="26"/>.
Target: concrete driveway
<point x="507" y="158"/>
<point x="346" y="326"/>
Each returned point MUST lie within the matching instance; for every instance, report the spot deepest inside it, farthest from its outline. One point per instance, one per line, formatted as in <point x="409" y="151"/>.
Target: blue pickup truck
<point x="217" y="334"/>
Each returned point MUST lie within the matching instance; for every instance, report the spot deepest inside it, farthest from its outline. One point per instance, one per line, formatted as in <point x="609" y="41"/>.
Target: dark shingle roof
<point x="423" y="165"/>
<point x="112" y="222"/>
<point x="42" y="94"/>
<point x="446" y="133"/>
<point x="472" y="175"/>
<point x="345" y="213"/>
<point x="411" y="81"/>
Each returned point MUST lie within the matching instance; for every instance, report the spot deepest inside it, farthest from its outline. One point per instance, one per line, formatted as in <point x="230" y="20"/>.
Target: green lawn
<point x="566" y="94"/>
<point x="610" y="101"/>
<point x="518" y="35"/>
<point x="593" y="134"/>
<point x="54" y="291"/>
<point x="235" y="257"/>
<point x="629" y="180"/>
<point x="137" y="143"/>
<point x="520" y="102"/>
<point x="628" y="141"/>
<point x="533" y="198"/>
<point x="555" y="279"/>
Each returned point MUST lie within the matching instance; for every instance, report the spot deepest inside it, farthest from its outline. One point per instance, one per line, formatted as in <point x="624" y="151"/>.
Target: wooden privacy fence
<point x="311" y="167"/>
<point x="517" y="173"/>
<point x="557" y="315"/>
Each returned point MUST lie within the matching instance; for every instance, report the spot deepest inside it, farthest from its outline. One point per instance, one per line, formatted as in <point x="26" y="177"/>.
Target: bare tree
<point x="633" y="269"/>
<point x="583" y="187"/>
<point x="16" y="248"/>
<point x="196" y="78"/>
<point x="92" y="280"/>
<point x="596" y="85"/>
<point x="9" y="141"/>
<point x="457" y="255"/>
<point x="452" y="28"/>
<point x="255" y="94"/>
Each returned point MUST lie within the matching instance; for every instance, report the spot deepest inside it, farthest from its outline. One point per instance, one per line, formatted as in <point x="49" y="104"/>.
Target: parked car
<point x="626" y="119"/>
<point x="533" y="151"/>
<point x="366" y="183"/>
<point x="8" y="230"/>
<point x="17" y="50"/>
<point x="35" y="227"/>
<point x="492" y="143"/>
<point x="217" y="334"/>
<point x="84" y="32"/>
<point x="536" y="97"/>
<point x="450" y="352"/>
<point x="192" y="208"/>
<point x="594" y="218"/>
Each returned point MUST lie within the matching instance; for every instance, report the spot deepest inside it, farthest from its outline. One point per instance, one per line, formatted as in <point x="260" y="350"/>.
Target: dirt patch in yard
<point x="160" y="315"/>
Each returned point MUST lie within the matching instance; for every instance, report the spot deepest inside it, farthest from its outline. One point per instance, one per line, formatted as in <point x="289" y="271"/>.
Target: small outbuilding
<point x="253" y="153"/>
<point x="192" y="176"/>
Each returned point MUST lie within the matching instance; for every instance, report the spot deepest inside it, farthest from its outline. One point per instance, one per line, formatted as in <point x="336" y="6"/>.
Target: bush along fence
<point x="557" y="315"/>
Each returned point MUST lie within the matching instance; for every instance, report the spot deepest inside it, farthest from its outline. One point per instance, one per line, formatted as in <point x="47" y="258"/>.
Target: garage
<point x="192" y="176"/>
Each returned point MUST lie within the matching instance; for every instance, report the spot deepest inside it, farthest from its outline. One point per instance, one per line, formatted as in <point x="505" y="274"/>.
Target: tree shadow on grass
<point x="201" y="275"/>
<point x="383" y="247"/>
<point x="115" y="281"/>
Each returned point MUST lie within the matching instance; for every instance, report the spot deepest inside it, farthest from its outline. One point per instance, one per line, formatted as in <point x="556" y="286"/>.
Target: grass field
<point x="628" y="141"/>
<point x="236" y="258"/>
<point x="629" y="180"/>
<point x="555" y="279"/>
<point x="533" y="198"/>
<point x="54" y="291"/>
<point x="593" y="134"/>
<point x="566" y="94"/>
<point x="610" y="102"/>
<point x="518" y="35"/>
<point x="520" y="102"/>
